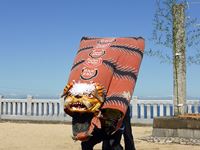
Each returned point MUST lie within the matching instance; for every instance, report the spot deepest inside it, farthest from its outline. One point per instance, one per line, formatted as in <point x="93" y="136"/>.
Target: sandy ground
<point x="27" y="136"/>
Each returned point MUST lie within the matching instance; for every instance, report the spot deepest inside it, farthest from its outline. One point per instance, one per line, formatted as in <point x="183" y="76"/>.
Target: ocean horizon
<point x="23" y="96"/>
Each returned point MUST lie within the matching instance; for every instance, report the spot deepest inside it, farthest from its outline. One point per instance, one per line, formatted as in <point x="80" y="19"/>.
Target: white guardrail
<point x="142" y="111"/>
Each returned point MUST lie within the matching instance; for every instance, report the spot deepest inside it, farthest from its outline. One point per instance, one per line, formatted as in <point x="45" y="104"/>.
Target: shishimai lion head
<point x="83" y="98"/>
<point x="82" y="101"/>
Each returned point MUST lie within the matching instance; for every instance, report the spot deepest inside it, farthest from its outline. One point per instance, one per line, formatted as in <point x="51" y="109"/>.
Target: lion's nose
<point x="77" y="96"/>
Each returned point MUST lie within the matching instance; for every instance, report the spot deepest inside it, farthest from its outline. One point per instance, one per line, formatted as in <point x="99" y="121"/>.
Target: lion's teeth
<point x="74" y="108"/>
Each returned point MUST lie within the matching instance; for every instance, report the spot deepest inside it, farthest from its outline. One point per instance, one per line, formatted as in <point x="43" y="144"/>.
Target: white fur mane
<point x="82" y="88"/>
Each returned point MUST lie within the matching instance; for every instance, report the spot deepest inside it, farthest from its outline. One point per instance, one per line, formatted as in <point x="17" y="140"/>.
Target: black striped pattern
<point x="125" y="73"/>
<point x="77" y="64"/>
<point x="110" y="63"/>
<point x="136" y="38"/>
<point x="117" y="99"/>
<point x="93" y="38"/>
<point x="88" y="38"/>
<point x="129" y="49"/>
<point x="85" y="48"/>
<point x="120" y="72"/>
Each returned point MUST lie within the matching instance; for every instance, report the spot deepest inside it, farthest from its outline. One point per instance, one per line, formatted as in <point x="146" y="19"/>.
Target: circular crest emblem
<point x="93" y="63"/>
<point x="88" y="73"/>
<point x="97" y="53"/>
<point x="106" y="41"/>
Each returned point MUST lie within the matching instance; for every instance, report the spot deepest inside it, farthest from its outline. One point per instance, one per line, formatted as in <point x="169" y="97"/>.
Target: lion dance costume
<point x="101" y="84"/>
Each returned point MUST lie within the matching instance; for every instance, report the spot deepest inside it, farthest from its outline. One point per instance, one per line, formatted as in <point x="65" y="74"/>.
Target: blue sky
<point x="39" y="40"/>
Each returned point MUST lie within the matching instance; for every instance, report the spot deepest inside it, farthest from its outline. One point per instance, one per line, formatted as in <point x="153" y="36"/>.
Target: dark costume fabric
<point x="128" y="136"/>
<point x="126" y="132"/>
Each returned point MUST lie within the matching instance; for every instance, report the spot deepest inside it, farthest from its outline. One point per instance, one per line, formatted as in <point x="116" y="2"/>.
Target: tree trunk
<point x="179" y="62"/>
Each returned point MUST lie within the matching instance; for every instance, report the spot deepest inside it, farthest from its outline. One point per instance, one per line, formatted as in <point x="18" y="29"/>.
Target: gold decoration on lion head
<point x="82" y="97"/>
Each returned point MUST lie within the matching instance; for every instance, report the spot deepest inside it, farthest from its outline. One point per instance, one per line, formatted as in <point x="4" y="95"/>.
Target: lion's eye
<point x="69" y="94"/>
<point x="90" y="96"/>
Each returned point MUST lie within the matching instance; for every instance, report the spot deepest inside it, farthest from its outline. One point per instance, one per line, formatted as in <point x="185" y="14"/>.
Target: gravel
<point x="170" y="140"/>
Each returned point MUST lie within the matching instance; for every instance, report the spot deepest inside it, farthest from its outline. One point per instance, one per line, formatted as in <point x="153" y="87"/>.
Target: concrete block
<point x="196" y="134"/>
<point x="186" y="133"/>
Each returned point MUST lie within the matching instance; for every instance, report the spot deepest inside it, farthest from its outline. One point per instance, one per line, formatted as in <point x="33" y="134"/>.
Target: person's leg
<point x="113" y="142"/>
<point x="106" y="145"/>
<point x="97" y="136"/>
<point x="86" y="145"/>
<point x="128" y="136"/>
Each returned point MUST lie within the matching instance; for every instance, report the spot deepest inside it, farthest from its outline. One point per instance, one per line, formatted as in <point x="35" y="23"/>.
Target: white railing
<point x="143" y="111"/>
<point x="33" y="109"/>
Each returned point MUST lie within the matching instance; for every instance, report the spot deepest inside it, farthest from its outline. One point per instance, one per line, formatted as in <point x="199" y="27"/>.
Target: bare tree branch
<point x="162" y="31"/>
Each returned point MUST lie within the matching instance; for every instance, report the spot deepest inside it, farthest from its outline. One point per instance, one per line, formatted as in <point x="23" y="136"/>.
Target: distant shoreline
<point x="139" y="97"/>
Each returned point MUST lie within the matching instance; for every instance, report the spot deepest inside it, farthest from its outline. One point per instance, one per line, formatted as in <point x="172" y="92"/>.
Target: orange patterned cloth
<point x="111" y="62"/>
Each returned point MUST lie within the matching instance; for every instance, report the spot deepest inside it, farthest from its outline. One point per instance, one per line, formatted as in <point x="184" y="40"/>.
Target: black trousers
<point x="112" y="142"/>
<point x="99" y="136"/>
<point x="128" y="136"/>
<point x="127" y="133"/>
